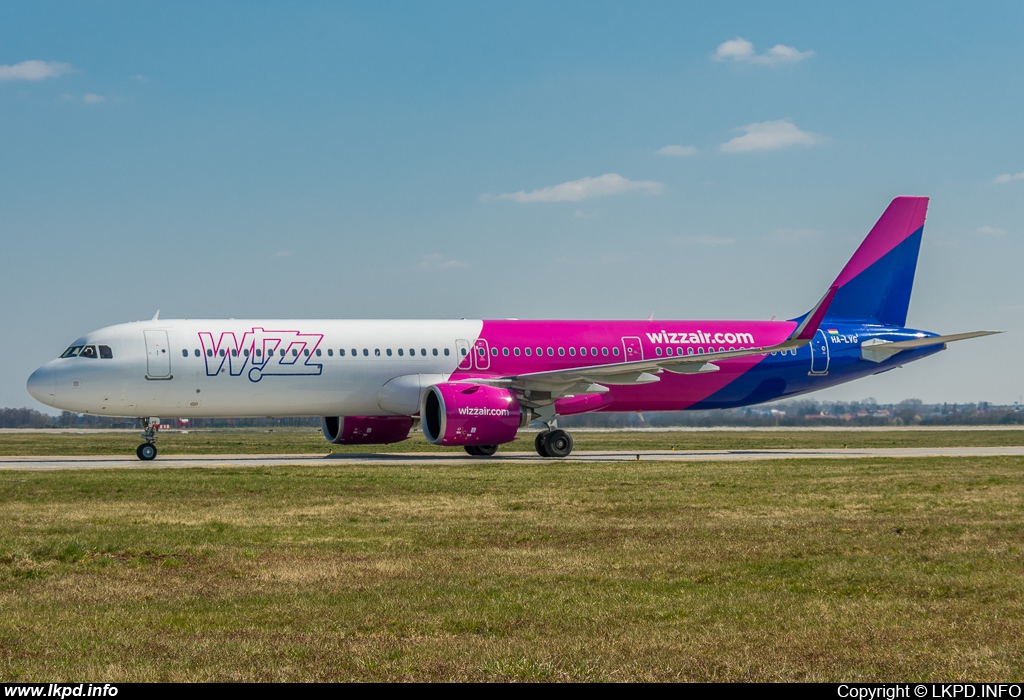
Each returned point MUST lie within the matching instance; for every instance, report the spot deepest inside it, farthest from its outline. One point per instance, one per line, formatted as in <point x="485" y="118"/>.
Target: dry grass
<point x="866" y="569"/>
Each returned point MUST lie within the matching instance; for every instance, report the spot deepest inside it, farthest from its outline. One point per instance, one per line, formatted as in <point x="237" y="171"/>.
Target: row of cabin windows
<point x="529" y="352"/>
<point x="258" y="352"/>
<point x="540" y="352"/>
<point x="91" y="351"/>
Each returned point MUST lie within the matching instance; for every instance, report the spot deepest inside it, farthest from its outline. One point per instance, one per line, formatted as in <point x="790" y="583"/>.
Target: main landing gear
<point x="481" y="450"/>
<point x="553" y="443"/>
<point x="147" y="450"/>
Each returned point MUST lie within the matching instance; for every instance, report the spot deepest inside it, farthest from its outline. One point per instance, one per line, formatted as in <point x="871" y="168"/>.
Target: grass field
<point x="307" y="441"/>
<point x="868" y="569"/>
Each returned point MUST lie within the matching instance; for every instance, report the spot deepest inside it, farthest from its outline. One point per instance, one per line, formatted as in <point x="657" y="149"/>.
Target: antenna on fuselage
<point x="156" y="316"/>
<point x="651" y="316"/>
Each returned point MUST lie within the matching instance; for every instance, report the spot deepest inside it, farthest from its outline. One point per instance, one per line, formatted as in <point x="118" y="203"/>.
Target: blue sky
<point x="577" y="160"/>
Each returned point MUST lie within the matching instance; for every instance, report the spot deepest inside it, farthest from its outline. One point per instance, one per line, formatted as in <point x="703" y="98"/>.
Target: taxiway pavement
<point x="501" y="458"/>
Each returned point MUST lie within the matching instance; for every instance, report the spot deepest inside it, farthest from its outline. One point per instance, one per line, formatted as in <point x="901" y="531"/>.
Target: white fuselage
<point x="203" y="368"/>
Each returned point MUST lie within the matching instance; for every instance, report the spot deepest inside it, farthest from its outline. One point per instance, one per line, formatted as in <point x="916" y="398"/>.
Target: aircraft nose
<point x="42" y="384"/>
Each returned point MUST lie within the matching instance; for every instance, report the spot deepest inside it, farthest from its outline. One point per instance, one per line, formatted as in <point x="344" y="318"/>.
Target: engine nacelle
<point x="365" y="430"/>
<point x="455" y="413"/>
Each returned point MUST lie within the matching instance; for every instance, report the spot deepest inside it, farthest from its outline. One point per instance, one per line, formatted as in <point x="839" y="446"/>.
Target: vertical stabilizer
<point x="875" y="285"/>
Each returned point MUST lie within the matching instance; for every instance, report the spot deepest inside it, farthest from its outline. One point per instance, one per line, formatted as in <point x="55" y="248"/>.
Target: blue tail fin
<point x="875" y="285"/>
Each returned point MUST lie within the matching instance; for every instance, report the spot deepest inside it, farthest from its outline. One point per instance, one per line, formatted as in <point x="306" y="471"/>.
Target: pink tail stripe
<point x="810" y="326"/>
<point x="904" y="216"/>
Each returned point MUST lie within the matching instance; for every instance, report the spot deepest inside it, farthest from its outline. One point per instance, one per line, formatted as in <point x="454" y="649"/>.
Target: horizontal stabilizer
<point x="878" y="350"/>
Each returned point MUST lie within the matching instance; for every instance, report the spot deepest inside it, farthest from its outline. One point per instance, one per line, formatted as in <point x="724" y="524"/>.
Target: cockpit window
<point x="106" y="353"/>
<point x="72" y="351"/>
<point x="88" y="351"/>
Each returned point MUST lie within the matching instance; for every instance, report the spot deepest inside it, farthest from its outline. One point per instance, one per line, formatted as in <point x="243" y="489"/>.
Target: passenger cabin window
<point x="494" y="352"/>
<point x="435" y="352"/>
<point x="72" y="351"/>
<point x="504" y="351"/>
<point x="197" y="352"/>
<point x="516" y="351"/>
<point x="330" y="352"/>
<point x="401" y="352"/>
<point x="376" y="352"/>
<point x="88" y="351"/>
<point x="388" y="351"/>
<point x="184" y="353"/>
<point x="446" y="352"/>
<point x="615" y="351"/>
<point x="527" y="352"/>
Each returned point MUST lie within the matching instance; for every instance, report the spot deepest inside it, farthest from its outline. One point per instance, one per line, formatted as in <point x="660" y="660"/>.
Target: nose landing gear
<point x="147" y="450"/>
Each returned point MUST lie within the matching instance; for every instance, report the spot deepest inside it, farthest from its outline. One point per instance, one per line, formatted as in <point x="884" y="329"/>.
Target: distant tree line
<point x="799" y="413"/>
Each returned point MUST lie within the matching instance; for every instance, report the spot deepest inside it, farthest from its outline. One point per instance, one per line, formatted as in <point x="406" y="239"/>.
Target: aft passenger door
<point x="819" y="353"/>
<point x="158" y="359"/>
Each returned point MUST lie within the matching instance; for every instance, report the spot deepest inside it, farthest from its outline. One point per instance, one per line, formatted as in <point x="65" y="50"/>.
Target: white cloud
<point x="770" y="136"/>
<point x="740" y="50"/>
<point x="436" y="261"/>
<point x="989" y="231"/>
<point x="584" y="188"/>
<point x="677" y="151"/>
<point x="34" y="70"/>
<point x="737" y="49"/>
<point x="282" y="254"/>
<point x="138" y="78"/>
<point x="1003" y="179"/>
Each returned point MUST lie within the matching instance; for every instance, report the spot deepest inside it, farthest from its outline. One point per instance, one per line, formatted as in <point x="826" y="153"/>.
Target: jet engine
<point x="454" y="413"/>
<point x="365" y="430"/>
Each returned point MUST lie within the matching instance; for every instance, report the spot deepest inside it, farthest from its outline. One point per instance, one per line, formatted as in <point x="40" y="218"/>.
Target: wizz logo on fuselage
<point x="261" y="353"/>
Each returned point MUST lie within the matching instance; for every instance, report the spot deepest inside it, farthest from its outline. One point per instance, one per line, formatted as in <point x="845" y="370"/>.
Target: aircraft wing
<point x="544" y="387"/>
<point x="878" y="350"/>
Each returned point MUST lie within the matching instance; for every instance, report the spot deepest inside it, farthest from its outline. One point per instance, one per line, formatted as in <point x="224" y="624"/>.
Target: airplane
<point x="476" y="383"/>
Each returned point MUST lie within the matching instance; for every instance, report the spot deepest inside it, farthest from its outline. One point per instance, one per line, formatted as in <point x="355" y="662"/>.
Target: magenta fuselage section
<point x="508" y="348"/>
